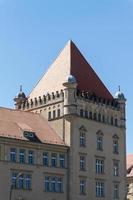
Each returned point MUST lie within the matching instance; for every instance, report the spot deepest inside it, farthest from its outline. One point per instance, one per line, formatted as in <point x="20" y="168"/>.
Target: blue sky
<point x="33" y="32"/>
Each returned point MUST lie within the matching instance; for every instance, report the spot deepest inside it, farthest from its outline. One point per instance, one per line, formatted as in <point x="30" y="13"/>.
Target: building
<point x="66" y="141"/>
<point x="130" y="176"/>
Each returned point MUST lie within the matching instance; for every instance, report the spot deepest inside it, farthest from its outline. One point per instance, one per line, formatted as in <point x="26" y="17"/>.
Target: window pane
<point x="13" y="155"/>
<point x="45" y="159"/>
<point x="54" y="160"/>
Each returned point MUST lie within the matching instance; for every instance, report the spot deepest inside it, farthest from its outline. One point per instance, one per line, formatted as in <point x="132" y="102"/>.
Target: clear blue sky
<point x="32" y="32"/>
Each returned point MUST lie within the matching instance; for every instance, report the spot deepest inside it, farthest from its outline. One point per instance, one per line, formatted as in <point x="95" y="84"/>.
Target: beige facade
<point x="92" y="129"/>
<point x="130" y="177"/>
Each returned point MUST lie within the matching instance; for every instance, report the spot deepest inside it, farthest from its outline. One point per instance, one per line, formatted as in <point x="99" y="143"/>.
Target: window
<point x="99" y="142"/>
<point x="21" y="156"/>
<point x="82" y="186"/>
<point x="81" y="113"/>
<point x="116" y="190"/>
<point x="103" y="118"/>
<point x="31" y="158"/>
<point x="86" y="114"/>
<point x="59" y="184"/>
<point x="82" y="162"/>
<point x="49" y="115"/>
<point x="116" y="168"/>
<point x="27" y="181"/>
<point x="45" y="159"/>
<point x="14" y="180"/>
<point x="53" y="184"/>
<point x="99" y="189"/>
<point x="54" y="114"/>
<point x="95" y="116"/>
<point x="54" y="160"/>
<point x="58" y="112"/>
<point x="115" y="144"/>
<point x="47" y="184"/>
<point x="13" y="155"/>
<point x="99" y="117"/>
<point x="112" y="121"/>
<point x="99" y="166"/>
<point x="82" y="139"/>
<point x="21" y="182"/>
<point x="62" y="160"/>
<point x="90" y="115"/>
<point x="116" y="122"/>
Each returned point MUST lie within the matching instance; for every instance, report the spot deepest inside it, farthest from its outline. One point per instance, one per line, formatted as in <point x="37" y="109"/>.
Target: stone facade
<point x="94" y="131"/>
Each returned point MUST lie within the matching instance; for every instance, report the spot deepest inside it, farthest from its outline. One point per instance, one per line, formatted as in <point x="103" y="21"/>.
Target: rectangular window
<point x="82" y="162"/>
<point x="86" y="114"/>
<point x="45" y="159"/>
<point x="62" y="160"/>
<point x="81" y="113"/>
<point x="13" y="155"/>
<point x="21" y="156"/>
<point x="99" y="189"/>
<point x="116" y="122"/>
<point x="99" y="143"/>
<point x="53" y="184"/>
<point x="47" y="184"/>
<point x="82" y="186"/>
<point x="99" y="166"/>
<point x="59" y="185"/>
<point x="90" y="115"/>
<point x="82" y="139"/>
<point x="116" y="190"/>
<point x="116" y="168"/>
<point x="53" y="160"/>
<point x="14" y="180"/>
<point x="21" y="181"/>
<point x="27" y="181"/>
<point x="31" y="158"/>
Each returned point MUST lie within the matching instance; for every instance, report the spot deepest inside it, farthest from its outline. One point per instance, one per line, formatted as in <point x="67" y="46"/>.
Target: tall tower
<point x="89" y="120"/>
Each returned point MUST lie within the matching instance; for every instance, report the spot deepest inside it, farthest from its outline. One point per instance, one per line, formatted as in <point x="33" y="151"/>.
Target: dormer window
<point x="29" y="134"/>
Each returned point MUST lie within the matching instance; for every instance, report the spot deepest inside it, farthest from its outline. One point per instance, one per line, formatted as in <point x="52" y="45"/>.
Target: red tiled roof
<point x="86" y="77"/>
<point x="130" y="165"/>
<point x="70" y="62"/>
<point x="14" y="122"/>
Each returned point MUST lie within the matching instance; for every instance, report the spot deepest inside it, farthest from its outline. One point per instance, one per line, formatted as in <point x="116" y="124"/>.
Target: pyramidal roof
<point x="70" y="61"/>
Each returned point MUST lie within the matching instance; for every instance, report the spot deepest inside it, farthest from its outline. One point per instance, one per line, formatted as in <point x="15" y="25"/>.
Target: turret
<point x="70" y="101"/>
<point x="20" y="99"/>
<point x="119" y="96"/>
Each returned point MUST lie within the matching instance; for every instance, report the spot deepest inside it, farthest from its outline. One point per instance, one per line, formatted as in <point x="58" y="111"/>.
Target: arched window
<point x="115" y="144"/>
